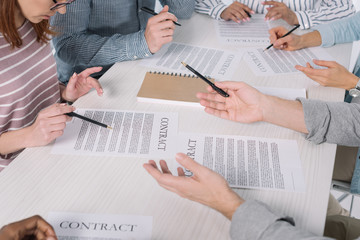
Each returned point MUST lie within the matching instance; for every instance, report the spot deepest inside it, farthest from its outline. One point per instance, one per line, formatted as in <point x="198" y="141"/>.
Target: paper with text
<point x="133" y="134"/>
<point x="80" y="226"/>
<point x="216" y="63"/>
<point x="254" y="32"/>
<point x="273" y="61"/>
<point x="247" y="162"/>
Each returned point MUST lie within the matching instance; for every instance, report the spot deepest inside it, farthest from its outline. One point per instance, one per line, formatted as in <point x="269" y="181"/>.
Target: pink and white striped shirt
<point x="28" y="83"/>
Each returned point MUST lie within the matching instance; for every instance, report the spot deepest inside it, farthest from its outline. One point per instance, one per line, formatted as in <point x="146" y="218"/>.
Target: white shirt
<point x="308" y="12"/>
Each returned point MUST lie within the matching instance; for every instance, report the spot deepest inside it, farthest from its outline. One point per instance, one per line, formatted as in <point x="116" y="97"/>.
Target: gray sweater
<point x="332" y="122"/>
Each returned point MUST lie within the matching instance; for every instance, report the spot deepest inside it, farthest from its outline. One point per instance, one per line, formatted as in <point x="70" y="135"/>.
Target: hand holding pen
<point x="281" y="38"/>
<point x="159" y="30"/>
<point x="212" y="85"/>
<point x="237" y="12"/>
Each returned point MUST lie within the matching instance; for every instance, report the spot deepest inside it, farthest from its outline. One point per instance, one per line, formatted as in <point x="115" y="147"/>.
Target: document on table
<point x="216" y="63"/>
<point x="247" y="162"/>
<point x="80" y="226"/>
<point x="255" y="32"/>
<point x="134" y="134"/>
<point x="273" y="61"/>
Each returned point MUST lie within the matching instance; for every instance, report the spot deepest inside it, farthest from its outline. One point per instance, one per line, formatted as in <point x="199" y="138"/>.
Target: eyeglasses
<point x="60" y="5"/>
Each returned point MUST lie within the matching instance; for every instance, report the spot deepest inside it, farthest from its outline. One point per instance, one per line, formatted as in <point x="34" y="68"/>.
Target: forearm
<point x="13" y="141"/>
<point x="284" y="113"/>
<point x="311" y="39"/>
<point x="94" y="50"/>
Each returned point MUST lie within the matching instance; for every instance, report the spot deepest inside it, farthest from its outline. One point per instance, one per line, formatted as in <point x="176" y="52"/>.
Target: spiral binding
<point x="176" y="74"/>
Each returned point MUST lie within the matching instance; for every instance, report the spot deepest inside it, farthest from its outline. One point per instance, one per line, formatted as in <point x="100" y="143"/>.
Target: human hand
<point x="34" y="227"/>
<point x="160" y="29"/>
<point x="236" y="12"/>
<point x="243" y="104"/>
<point x="80" y="84"/>
<point x="280" y="10"/>
<point x="49" y="125"/>
<point x="291" y="42"/>
<point x="335" y="75"/>
<point x="205" y="186"/>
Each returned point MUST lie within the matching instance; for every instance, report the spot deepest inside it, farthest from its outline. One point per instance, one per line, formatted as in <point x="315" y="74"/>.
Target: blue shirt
<point x="102" y="32"/>
<point x="342" y="31"/>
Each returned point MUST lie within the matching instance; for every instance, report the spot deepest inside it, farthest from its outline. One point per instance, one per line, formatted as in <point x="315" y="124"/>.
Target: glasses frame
<point x="60" y="5"/>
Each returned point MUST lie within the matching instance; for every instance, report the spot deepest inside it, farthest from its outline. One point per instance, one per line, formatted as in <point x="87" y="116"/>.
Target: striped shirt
<point x="28" y="83"/>
<point x="102" y="32"/>
<point x="308" y="12"/>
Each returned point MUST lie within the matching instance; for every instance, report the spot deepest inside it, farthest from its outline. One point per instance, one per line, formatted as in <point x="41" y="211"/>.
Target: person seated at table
<point x="341" y="31"/>
<point x="30" y="112"/>
<point x="306" y="13"/>
<point x="101" y="33"/>
<point x="34" y="227"/>
<point x="331" y="122"/>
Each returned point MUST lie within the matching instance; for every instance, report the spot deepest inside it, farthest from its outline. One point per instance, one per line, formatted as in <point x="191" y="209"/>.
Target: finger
<point x="153" y="171"/>
<point x="164" y="167"/>
<point x="217" y="113"/>
<point x="310" y="71"/>
<point x="274" y="3"/>
<point x="282" y="41"/>
<point x="189" y="163"/>
<point x="243" y="6"/>
<point x="94" y="83"/>
<point x="161" y="17"/>
<point x="276" y="17"/>
<point x="57" y="109"/>
<point x="165" y="9"/>
<point x="87" y="72"/>
<point x="180" y="171"/>
<point x="211" y="97"/>
<point x="214" y="105"/>
<point x="38" y="226"/>
<point x="323" y="63"/>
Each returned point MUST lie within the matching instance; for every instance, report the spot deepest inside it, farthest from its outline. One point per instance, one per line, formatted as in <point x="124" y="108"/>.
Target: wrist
<point x="353" y="82"/>
<point x="228" y="203"/>
<point x="311" y="39"/>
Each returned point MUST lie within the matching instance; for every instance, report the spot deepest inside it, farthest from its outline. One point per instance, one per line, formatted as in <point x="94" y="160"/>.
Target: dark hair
<point x="8" y="27"/>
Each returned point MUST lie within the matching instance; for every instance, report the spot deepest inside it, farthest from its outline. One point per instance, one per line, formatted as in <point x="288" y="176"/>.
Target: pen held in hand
<point x="73" y="114"/>
<point x="217" y="89"/>
<point x="296" y="27"/>
<point x="150" y="11"/>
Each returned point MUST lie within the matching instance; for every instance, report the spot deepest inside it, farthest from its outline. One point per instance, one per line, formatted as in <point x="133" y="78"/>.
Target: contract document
<point x="80" y="226"/>
<point x="254" y="32"/>
<point x="134" y="134"/>
<point x="247" y="162"/>
<point x="216" y="63"/>
<point x="274" y="61"/>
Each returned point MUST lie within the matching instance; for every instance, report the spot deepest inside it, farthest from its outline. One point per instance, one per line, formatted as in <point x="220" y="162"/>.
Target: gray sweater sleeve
<point x="332" y="122"/>
<point x="254" y="220"/>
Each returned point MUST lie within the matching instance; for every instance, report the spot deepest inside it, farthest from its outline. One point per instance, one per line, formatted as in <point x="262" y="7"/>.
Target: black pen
<point x="72" y="114"/>
<point x="248" y="13"/>
<point x="296" y="27"/>
<point x="150" y="11"/>
<point x="217" y="89"/>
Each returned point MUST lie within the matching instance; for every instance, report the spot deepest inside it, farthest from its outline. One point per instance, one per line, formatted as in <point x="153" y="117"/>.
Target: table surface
<point x="38" y="182"/>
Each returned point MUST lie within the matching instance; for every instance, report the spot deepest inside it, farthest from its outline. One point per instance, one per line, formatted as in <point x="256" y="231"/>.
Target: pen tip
<point x="183" y="64"/>
<point x="109" y="127"/>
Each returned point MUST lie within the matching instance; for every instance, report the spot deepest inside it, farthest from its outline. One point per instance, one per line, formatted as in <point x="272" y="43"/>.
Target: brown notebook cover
<point x="171" y="88"/>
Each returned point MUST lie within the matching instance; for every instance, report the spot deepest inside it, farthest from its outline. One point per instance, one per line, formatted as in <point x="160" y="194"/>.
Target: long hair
<point x="8" y="27"/>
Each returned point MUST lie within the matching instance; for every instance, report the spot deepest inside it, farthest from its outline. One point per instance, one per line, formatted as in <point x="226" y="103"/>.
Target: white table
<point x="38" y="182"/>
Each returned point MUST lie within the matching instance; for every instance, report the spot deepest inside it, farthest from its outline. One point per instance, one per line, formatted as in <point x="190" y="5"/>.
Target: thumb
<point x="189" y="163"/>
<point x="165" y="9"/>
<point x="72" y="80"/>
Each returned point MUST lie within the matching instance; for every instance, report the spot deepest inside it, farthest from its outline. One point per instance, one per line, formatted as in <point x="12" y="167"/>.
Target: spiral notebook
<point x="171" y="88"/>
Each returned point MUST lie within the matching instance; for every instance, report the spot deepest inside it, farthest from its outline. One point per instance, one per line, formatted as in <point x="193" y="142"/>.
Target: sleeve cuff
<point x="304" y="20"/>
<point x="251" y="219"/>
<point x="216" y="12"/>
<point x="137" y="47"/>
<point x="316" y="116"/>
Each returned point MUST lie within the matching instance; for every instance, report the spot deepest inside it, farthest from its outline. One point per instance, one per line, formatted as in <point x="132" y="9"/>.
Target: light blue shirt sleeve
<point x="256" y="221"/>
<point x="341" y="31"/>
